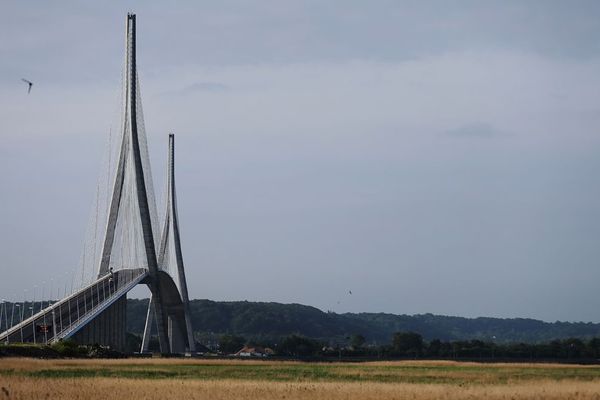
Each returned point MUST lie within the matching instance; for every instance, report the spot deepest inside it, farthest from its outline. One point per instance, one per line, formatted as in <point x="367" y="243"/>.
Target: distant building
<point x="254" y="351"/>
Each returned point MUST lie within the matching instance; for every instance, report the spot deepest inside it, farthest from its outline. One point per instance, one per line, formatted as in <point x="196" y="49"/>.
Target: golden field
<point x="247" y="379"/>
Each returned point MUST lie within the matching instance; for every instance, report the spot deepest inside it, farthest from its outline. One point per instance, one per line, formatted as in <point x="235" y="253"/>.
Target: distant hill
<point x="274" y="320"/>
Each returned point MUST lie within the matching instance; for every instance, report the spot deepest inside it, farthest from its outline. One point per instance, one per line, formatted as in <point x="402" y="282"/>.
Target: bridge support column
<point x="148" y="325"/>
<point x="107" y="329"/>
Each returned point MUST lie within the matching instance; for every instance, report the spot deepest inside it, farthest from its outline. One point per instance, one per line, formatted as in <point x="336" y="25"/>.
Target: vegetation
<point x="298" y="331"/>
<point x="231" y="343"/>
<point x="420" y="372"/>
<point x="221" y="379"/>
<point x="62" y="349"/>
<point x="411" y="345"/>
<point x="299" y="346"/>
<point x="269" y="322"/>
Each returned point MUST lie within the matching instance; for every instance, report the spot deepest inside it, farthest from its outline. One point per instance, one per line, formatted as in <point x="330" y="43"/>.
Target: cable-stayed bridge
<point x="126" y="248"/>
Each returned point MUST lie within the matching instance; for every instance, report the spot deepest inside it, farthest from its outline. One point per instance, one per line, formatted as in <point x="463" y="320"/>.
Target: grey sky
<point x="429" y="156"/>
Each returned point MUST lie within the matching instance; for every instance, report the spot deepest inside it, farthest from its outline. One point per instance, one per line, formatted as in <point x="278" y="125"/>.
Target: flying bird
<point x="349" y="291"/>
<point x="29" y="83"/>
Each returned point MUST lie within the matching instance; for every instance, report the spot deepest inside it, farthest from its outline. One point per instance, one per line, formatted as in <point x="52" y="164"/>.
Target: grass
<point x="277" y="371"/>
<point x="232" y="379"/>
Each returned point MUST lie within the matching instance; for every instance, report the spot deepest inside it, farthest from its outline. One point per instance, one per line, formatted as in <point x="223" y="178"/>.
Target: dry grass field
<point x="235" y="379"/>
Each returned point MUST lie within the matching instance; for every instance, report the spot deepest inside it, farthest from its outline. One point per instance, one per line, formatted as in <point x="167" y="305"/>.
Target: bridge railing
<point x="64" y="318"/>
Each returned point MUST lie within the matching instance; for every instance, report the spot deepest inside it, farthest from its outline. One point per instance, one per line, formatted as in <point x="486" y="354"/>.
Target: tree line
<point x="276" y="320"/>
<point x="411" y="345"/>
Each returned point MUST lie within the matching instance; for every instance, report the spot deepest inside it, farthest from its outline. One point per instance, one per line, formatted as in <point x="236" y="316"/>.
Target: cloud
<point x="199" y="87"/>
<point x="476" y="130"/>
<point x="311" y="143"/>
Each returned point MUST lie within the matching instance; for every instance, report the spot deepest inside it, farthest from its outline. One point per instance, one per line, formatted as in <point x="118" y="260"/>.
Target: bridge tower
<point x="170" y="255"/>
<point x="130" y="252"/>
<point x="130" y="157"/>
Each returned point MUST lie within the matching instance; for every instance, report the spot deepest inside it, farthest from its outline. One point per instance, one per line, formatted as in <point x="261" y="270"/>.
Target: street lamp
<point x="13" y="313"/>
<point x="2" y="312"/>
<point x="42" y="298"/>
<point x="53" y="327"/>
<point x="51" y="286"/>
<point x="23" y="313"/>
<point x="33" y="324"/>
<point x="11" y="320"/>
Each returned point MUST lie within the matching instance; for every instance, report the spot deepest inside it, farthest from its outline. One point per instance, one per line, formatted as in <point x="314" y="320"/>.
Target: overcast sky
<point x="429" y="156"/>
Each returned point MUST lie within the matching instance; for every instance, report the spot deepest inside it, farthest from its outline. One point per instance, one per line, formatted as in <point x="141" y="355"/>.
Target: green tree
<point x="435" y="347"/>
<point x="133" y="342"/>
<point x="357" y="341"/>
<point x="407" y="343"/>
<point x="594" y="347"/>
<point x="299" y="346"/>
<point x="231" y="343"/>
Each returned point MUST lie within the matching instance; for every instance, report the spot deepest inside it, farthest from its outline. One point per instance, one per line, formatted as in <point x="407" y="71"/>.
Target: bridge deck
<point x="66" y="317"/>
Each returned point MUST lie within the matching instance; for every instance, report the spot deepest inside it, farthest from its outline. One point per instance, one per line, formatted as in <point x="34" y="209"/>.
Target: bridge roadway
<point x="69" y="317"/>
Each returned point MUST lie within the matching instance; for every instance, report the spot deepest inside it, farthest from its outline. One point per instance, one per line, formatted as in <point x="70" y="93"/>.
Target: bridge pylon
<point x="131" y="169"/>
<point x="170" y="259"/>
<point x="130" y="251"/>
